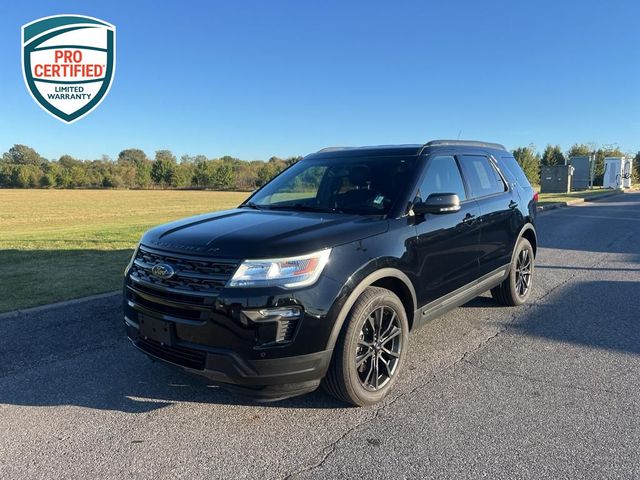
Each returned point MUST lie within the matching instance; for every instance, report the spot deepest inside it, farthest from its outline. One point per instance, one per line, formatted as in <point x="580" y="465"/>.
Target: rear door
<point x="498" y="210"/>
<point x="446" y="246"/>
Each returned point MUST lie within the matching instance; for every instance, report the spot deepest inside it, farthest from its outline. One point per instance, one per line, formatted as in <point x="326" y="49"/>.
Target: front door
<point x="446" y="244"/>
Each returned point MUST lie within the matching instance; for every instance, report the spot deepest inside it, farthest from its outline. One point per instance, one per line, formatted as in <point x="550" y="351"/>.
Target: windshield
<point x="360" y="185"/>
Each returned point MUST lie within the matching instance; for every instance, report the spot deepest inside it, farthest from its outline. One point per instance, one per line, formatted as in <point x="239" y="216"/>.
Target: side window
<point x="516" y="171"/>
<point x="442" y="176"/>
<point x="482" y="177"/>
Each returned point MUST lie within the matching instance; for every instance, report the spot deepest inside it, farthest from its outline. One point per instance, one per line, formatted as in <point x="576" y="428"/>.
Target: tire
<point x="360" y="340"/>
<point x="516" y="288"/>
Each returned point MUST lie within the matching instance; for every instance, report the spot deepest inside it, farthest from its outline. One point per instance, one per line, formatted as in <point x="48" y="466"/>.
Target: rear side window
<point x="442" y="176"/>
<point x="516" y="172"/>
<point x="482" y="177"/>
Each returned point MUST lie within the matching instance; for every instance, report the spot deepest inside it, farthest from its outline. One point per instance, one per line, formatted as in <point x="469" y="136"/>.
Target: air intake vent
<point x="286" y="329"/>
<point x="185" y="357"/>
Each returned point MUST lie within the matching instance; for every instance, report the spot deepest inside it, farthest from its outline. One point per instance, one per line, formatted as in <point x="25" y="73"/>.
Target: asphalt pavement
<point x="547" y="390"/>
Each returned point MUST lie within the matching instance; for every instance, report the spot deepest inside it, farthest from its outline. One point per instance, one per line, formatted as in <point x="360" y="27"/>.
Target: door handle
<point x="513" y="205"/>
<point x="468" y="219"/>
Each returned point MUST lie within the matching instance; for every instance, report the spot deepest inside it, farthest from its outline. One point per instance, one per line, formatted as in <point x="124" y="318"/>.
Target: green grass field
<point x="62" y="244"/>
<point x="549" y="198"/>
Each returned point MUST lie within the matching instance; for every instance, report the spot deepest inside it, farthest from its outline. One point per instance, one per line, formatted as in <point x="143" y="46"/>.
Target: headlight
<point x="133" y="257"/>
<point x="281" y="272"/>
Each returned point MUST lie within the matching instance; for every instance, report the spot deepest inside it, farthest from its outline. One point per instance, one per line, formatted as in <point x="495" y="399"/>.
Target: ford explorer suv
<point x="321" y="275"/>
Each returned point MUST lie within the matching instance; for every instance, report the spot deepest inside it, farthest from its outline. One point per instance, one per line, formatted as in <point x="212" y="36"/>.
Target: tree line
<point x="531" y="161"/>
<point x="23" y="167"/>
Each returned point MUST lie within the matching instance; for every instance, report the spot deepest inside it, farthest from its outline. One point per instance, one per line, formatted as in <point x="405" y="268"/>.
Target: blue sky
<point x="255" y="79"/>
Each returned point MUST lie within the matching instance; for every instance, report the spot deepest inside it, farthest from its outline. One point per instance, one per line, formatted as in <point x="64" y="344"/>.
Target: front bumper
<point x="229" y="340"/>
<point x="270" y="343"/>
<point x="263" y="379"/>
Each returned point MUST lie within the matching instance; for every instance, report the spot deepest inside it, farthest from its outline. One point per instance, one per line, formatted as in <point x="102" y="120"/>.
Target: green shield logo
<point x="68" y="63"/>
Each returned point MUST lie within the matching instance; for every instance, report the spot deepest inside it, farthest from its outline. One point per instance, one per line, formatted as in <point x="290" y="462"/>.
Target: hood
<point x="244" y="233"/>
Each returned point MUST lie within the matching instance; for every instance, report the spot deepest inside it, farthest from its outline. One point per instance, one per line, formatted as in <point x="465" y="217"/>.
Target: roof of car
<point x="406" y="149"/>
<point x="379" y="150"/>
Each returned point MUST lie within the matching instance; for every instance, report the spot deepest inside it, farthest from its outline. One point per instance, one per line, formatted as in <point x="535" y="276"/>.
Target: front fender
<point x="364" y="278"/>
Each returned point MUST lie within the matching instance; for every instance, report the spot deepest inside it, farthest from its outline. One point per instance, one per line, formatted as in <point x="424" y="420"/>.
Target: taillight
<point x="535" y="197"/>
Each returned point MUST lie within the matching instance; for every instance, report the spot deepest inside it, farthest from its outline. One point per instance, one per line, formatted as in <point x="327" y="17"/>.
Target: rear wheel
<point x="371" y="349"/>
<point x="516" y="288"/>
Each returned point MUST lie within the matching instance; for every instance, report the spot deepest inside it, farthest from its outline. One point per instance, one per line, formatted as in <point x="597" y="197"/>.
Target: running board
<point x="463" y="294"/>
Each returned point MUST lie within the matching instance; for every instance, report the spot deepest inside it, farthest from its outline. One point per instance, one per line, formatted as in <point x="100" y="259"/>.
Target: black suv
<point x="322" y="273"/>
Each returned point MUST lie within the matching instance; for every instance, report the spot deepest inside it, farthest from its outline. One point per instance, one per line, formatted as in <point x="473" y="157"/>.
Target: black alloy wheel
<point x="370" y="350"/>
<point x="516" y="287"/>
<point x="379" y="348"/>
<point x="523" y="272"/>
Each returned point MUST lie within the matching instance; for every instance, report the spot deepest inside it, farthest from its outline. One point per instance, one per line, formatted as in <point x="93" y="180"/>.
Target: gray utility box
<point x="581" y="174"/>
<point x="556" y="179"/>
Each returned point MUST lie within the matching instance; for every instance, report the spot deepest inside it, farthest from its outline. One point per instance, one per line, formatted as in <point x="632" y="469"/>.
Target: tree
<point x="63" y="179"/>
<point x="203" y="173"/>
<point x="5" y="174"/>
<point x="266" y="172"/>
<point x="127" y="172"/>
<point x="132" y="156"/>
<point x="223" y="177"/>
<point x="78" y="176"/>
<point x="553" y="156"/>
<point x="143" y="175"/>
<point x="51" y="175"/>
<point x="135" y="168"/>
<point x="164" y="168"/>
<point x="67" y="161"/>
<point x="579" y="150"/>
<point x="183" y="176"/>
<point x="22" y="155"/>
<point x="229" y="159"/>
<point x="529" y="161"/>
<point x="25" y="176"/>
<point x="636" y="168"/>
<point x="246" y="176"/>
<point x="112" y="180"/>
<point x="291" y="160"/>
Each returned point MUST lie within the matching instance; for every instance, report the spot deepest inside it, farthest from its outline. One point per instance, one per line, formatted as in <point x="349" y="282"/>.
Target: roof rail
<point x="333" y="149"/>
<point x="465" y="143"/>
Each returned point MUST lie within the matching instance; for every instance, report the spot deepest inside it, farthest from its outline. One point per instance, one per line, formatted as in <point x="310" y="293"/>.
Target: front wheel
<point x="516" y="288"/>
<point x="371" y="349"/>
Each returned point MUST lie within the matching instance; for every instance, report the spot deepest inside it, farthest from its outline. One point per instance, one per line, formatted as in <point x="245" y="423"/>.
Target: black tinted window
<point x="482" y="177"/>
<point x="516" y="171"/>
<point x="442" y="176"/>
<point x="361" y="185"/>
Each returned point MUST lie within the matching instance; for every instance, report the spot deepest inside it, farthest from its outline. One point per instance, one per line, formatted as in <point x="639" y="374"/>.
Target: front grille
<point x="193" y="275"/>
<point x="191" y="292"/>
<point x="158" y="306"/>
<point x="185" y="357"/>
<point x="173" y="296"/>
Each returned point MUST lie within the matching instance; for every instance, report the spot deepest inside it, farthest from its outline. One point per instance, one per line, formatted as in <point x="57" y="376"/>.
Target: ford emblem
<point x="163" y="271"/>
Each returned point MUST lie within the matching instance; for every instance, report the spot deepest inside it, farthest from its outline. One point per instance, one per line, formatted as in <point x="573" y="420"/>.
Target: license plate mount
<point x="155" y="329"/>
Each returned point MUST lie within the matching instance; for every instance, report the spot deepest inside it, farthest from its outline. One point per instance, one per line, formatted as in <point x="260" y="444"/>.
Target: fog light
<point x="273" y="314"/>
<point x="283" y="312"/>
<point x="275" y="325"/>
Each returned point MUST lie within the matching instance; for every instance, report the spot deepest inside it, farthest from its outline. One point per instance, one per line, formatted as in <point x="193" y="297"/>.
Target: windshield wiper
<point x="253" y="205"/>
<point x="304" y="208"/>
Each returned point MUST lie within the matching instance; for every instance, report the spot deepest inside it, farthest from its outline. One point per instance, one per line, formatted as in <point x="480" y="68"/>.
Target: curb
<point x="65" y="303"/>
<point x="568" y="203"/>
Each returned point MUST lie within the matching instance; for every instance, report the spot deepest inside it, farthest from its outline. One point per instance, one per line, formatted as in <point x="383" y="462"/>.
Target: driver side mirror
<point x="438" y="203"/>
